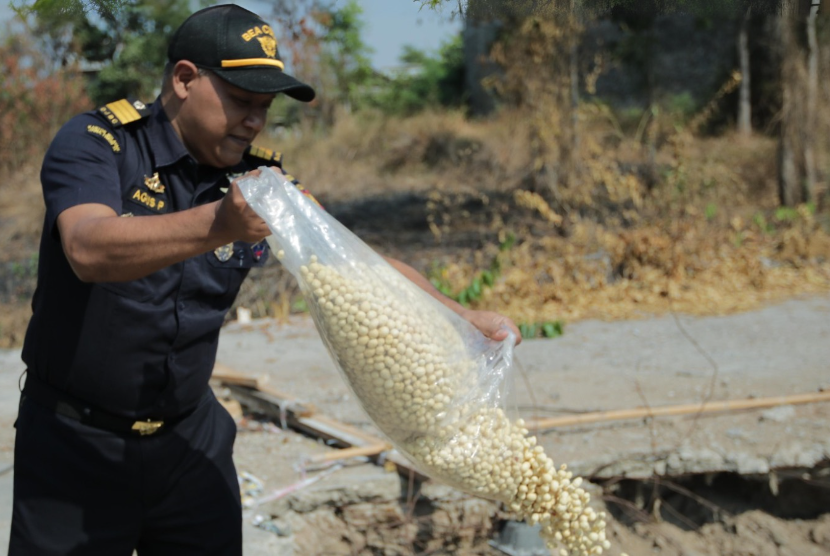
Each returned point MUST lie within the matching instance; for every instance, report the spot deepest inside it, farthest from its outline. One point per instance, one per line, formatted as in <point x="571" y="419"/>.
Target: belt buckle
<point x="148" y="427"/>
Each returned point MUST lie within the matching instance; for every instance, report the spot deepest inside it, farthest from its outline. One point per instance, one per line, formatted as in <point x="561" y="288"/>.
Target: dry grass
<point x="705" y="238"/>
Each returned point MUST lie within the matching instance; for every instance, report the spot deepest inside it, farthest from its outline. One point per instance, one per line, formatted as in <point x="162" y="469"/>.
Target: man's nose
<point x="256" y="118"/>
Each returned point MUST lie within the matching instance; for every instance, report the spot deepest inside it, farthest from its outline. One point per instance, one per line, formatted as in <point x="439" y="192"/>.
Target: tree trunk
<point x="744" y="102"/>
<point x="812" y="101"/>
<point x="789" y="191"/>
<point x="571" y="143"/>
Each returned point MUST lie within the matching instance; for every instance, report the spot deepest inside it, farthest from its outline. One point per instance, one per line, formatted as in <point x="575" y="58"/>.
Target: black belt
<point x="64" y="404"/>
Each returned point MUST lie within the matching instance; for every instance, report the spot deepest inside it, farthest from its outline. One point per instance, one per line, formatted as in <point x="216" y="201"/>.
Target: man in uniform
<point x="120" y="442"/>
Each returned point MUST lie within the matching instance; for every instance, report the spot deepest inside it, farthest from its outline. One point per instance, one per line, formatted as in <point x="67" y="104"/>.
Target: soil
<point x="778" y="350"/>
<point x="752" y="482"/>
<point x="726" y="459"/>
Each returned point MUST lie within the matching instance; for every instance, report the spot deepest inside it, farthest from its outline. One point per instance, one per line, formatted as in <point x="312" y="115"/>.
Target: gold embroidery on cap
<point x="257" y="31"/>
<point x="269" y="46"/>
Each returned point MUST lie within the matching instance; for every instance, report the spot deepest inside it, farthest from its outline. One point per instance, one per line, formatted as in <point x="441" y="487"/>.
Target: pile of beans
<point x="415" y="377"/>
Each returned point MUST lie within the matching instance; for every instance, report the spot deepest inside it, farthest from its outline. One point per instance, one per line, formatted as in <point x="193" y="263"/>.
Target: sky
<point x="390" y="25"/>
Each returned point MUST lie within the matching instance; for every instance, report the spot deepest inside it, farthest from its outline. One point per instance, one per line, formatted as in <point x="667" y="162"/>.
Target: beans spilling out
<point x="411" y="369"/>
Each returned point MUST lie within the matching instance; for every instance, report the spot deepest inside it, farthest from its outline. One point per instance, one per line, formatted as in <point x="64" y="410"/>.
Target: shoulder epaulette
<point x="267" y="155"/>
<point x="124" y="111"/>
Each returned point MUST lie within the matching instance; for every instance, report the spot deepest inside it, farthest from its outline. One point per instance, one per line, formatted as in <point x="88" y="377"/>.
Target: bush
<point x="424" y="81"/>
<point x="35" y="100"/>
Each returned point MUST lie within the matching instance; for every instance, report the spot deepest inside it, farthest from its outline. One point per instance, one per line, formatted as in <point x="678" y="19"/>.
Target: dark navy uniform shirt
<point x="144" y="348"/>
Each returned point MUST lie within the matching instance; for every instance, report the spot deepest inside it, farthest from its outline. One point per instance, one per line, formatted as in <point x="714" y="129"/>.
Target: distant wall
<point x="687" y="56"/>
<point x="478" y="39"/>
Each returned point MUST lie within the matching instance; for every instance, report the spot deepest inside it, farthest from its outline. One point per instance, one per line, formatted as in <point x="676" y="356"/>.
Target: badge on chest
<point x="150" y="195"/>
<point x="224" y="253"/>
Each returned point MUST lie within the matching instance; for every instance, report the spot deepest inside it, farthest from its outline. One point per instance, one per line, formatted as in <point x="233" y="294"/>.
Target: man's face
<point x="219" y="121"/>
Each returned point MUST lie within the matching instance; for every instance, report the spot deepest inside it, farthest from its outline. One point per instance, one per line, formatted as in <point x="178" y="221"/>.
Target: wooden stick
<point x="227" y="375"/>
<point x="686" y="409"/>
<point x="353" y="452"/>
<point x="317" y="425"/>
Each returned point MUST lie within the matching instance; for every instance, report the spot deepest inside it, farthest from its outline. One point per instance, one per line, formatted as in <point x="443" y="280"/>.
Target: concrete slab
<point x="778" y="350"/>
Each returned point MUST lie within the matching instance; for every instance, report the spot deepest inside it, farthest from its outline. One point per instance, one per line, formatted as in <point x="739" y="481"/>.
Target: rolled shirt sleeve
<point x="81" y="167"/>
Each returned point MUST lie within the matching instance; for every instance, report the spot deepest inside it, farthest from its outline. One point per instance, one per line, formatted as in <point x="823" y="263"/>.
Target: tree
<point x="123" y="43"/>
<point x="744" y="102"/>
<point x="423" y="81"/>
<point x="345" y="55"/>
<point x="798" y="50"/>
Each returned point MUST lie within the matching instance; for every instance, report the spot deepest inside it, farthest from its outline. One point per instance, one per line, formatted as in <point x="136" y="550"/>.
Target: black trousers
<point x="80" y="490"/>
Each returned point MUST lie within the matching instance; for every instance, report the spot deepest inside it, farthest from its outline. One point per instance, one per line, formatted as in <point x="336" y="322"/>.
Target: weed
<point x="528" y="330"/>
<point x="786" y="214"/>
<point x="759" y="220"/>
<point x="299" y="305"/>
<point x="482" y="280"/>
<point x="547" y="329"/>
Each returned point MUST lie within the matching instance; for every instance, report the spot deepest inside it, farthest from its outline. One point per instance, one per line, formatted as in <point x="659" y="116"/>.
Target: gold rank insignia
<point x="224" y="253"/>
<point x="153" y="183"/>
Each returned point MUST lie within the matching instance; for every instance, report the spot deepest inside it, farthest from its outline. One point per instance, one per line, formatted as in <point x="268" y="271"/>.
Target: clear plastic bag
<point x="430" y="381"/>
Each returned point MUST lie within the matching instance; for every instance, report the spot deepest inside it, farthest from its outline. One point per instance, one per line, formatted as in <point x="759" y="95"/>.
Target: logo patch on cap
<point x="269" y="45"/>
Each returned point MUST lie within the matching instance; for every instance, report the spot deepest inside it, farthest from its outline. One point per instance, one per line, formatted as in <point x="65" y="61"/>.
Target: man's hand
<point x="235" y="220"/>
<point x="491" y="324"/>
<point x="101" y="247"/>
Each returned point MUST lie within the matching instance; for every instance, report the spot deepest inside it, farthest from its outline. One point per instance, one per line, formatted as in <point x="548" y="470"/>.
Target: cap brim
<point x="266" y="80"/>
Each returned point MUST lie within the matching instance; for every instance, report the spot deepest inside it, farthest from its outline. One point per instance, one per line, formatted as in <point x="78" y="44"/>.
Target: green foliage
<point x="711" y="211"/>
<point x="481" y="281"/>
<point x="346" y="72"/>
<point x="345" y="55"/>
<point x="299" y="305"/>
<point x="682" y="105"/>
<point x="424" y="81"/>
<point x="547" y="329"/>
<point x="759" y="220"/>
<point x="25" y="269"/>
<point x="126" y="38"/>
<point x="786" y="214"/>
<point x="36" y="98"/>
<point x="781" y="216"/>
<point x="69" y="8"/>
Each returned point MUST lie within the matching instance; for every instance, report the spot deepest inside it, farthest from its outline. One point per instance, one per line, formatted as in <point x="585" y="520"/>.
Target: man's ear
<point x="184" y="73"/>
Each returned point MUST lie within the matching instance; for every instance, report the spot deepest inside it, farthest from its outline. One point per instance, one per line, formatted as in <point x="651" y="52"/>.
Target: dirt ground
<point x="778" y="350"/>
<point x="723" y="461"/>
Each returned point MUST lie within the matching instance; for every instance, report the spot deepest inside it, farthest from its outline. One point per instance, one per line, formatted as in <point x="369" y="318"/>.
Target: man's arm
<point x="102" y="247"/>
<point x="490" y="324"/>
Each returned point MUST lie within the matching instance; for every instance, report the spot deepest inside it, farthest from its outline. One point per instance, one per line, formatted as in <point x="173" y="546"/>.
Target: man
<point x="120" y="442"/>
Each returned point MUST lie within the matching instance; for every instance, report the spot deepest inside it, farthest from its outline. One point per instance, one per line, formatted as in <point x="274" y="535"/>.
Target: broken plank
<point x="674" y="410"/>
<point x="226" y="375"/>
<point x="317" y="425"/>
<point x="352" y="452"/>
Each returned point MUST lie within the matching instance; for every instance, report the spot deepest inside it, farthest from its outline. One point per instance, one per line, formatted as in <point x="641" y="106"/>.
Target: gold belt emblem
<point x="146" y="428"/>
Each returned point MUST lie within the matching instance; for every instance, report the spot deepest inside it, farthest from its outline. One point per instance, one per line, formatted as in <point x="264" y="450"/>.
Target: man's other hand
<point x="491" y="324"/>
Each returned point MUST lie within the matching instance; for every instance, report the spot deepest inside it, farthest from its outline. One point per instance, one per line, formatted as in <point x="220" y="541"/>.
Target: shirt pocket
<point x="141" y="290"/>
<point x="229" y="264"/>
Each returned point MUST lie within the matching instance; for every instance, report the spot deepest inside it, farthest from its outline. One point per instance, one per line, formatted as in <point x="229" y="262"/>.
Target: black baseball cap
<point x="238" y="46"/>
